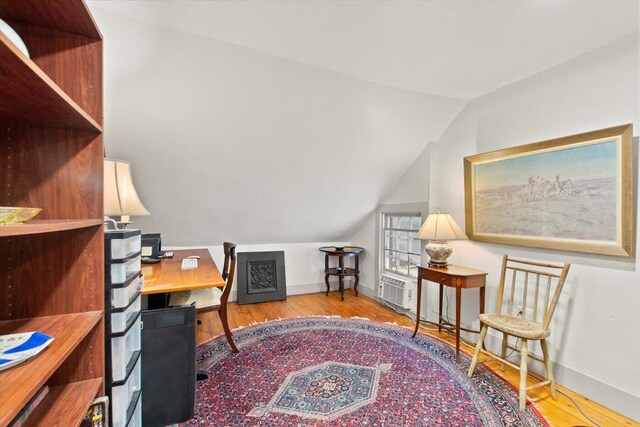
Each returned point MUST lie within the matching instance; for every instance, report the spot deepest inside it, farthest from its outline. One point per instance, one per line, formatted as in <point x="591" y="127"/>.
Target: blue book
<point x="16" y="348"/>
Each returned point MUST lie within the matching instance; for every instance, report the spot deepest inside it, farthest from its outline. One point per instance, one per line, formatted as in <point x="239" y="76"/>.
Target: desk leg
<point x="440" y="308"/>
<point x="341" y="284"/>
<point x="419" y="284"/>
<point x="458" y="297"/>
<point x="326" y="280"/>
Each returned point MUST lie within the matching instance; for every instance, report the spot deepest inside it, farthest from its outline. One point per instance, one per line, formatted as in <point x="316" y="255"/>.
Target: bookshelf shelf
<point x="29" y="95"/>
<point x="51" y="156"/>
<point x="65" y="405"/>
<point x="47" y="226"/>
<point x="19" y="383"/>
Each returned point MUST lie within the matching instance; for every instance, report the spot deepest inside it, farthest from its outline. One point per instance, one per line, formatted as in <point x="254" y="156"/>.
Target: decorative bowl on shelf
<point x="14" y="37"/>
<point x="339" y="248"/>
<point x="10" y="215"/>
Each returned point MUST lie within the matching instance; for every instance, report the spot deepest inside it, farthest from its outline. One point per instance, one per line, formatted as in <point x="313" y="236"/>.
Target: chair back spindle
<point x="526" y="287"/>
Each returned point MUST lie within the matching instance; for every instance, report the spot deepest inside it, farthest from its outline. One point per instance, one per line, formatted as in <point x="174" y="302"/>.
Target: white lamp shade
<point x="440" y="226"/>
<point x="120" y="196"/>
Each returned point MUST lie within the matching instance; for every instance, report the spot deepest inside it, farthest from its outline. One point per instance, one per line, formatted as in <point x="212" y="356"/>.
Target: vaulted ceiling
<point x="275" y="122"/>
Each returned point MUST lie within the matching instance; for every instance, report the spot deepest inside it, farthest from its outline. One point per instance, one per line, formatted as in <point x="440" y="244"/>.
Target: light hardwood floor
<point x="559" y="413"/>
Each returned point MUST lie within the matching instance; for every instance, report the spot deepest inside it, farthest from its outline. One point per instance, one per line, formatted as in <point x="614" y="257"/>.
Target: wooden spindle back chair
<point x="528" y="294"/>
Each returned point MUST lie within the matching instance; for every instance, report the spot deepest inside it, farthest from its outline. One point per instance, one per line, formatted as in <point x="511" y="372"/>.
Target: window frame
<point x="407" y="209"/>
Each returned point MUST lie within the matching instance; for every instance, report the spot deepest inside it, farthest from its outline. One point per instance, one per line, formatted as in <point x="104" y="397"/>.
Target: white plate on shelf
<point x="15" y="39"/>
<point x="16" y="348"/>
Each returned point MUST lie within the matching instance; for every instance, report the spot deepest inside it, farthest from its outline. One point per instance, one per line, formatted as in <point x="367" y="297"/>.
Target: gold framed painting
<point x="573" y="193"/>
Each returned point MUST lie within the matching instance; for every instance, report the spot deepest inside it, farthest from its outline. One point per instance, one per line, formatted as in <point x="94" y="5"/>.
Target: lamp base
<point x="439" y="252"/>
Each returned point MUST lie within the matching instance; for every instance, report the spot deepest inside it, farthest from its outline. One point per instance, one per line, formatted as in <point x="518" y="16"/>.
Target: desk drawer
<point x="437" y="277"/>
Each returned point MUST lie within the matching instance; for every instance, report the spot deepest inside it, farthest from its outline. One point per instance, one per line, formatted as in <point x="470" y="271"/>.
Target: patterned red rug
<point x="347" y="372"/>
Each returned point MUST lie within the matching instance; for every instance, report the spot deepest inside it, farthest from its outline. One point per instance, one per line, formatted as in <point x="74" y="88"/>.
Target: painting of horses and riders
<point x="555" y="194"/>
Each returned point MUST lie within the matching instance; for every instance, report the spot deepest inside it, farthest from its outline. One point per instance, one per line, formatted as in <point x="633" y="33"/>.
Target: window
<point x="400" y="247"/>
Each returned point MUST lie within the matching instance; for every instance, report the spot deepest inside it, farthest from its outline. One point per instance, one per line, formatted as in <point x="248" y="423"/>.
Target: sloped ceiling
<point x="460" y="49"/>
<point x="277" y="122"/>
<point x="227" y="143"/>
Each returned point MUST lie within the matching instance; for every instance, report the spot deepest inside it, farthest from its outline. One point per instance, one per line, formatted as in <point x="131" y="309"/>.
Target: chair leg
<point x="225" y="325"/>
<point x="524" y="353"/>
<point x="547" y="365"/>
<point x="474" y="361"/>
<point x="504" y="349"/>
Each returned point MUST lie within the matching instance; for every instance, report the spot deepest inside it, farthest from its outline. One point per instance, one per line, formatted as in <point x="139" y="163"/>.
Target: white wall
<point x="303" y="262"/>
<point x="594" y="340"/>
<point x="230" y="143"/>
<point x="410" y="193"/>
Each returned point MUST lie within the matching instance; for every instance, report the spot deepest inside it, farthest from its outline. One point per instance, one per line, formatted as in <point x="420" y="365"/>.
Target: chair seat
<point x="516" y="326"/>
<point x="203" y="298"/>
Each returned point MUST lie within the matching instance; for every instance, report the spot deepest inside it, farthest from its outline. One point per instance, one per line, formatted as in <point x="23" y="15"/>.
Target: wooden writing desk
<point x="454" y="276"/>
<point x="168" y="276"/>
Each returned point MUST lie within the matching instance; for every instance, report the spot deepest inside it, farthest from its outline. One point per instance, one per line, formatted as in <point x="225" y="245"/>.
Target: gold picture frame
<point x="573" y="193"/>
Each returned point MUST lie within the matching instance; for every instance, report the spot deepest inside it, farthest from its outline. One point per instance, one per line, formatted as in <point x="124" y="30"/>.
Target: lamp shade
<point x="440" y="226"/>
<point x="120" y="196"/>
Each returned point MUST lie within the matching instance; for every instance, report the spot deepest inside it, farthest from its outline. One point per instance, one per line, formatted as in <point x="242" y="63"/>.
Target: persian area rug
<point x="347" y="372"/>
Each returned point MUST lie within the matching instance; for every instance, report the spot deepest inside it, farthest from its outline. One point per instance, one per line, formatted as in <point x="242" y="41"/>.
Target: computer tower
<point x="169" y="368"/>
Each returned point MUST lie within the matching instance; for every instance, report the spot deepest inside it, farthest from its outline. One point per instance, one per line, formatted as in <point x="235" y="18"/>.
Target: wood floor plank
<point x="558" y="413"/>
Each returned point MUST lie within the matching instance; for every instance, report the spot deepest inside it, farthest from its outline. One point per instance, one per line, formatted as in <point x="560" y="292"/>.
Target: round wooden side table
<point x="341" y="252"/>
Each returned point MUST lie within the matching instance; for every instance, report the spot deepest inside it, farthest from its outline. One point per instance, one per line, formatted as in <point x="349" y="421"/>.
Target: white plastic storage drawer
<point x="122" y="395"/>
<point x="119" y="272"/>
<point x="136" y="418"/>
<point x="123" y="347"/>
<point x="121" y="297"/>
<point x="120" y="244"/>
<point x="119" y="319"/>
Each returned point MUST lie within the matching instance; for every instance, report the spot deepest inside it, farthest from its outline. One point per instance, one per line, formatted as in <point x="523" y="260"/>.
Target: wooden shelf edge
<point x="75" y="17"/>
<point x="30" y="71"/>
<point x="65" y="405"/>
<point x="19" y="383"/>
<point x="47" y="226"/>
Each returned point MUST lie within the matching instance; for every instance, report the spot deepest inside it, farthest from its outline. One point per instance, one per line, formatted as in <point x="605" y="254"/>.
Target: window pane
<point x="405" y="222"/>
<point x="403" y="264"/>
<point x="390" y="240"/>
<point x="415" y="246"/>
<point x="415" y="260"/>
<point x="387" y="260"/>
<point x="415" y="223"/>
<point x="403" y="242"/>
<point x="401" y="249"/>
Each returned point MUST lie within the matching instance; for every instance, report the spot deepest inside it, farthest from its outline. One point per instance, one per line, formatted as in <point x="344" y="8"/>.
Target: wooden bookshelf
<point x="19" y="383"/>
<point x="28" y="95"/>
<point x="65" y="405"/>
<point x="47" y="226"/>
<point x="51" y="157"/>
<point x="69" y="16"/>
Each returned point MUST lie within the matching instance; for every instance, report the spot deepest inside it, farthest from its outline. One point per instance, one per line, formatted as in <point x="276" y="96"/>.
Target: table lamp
<point x="438" y="228"/>
<point x="120" y="197"/>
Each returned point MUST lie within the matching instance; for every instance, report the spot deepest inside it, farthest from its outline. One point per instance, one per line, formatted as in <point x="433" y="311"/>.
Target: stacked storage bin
<point x="123" y="283"/>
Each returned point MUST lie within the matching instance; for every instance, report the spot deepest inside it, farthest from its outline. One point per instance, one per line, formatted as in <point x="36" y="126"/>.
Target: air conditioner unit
<point x="397" y="290"/>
